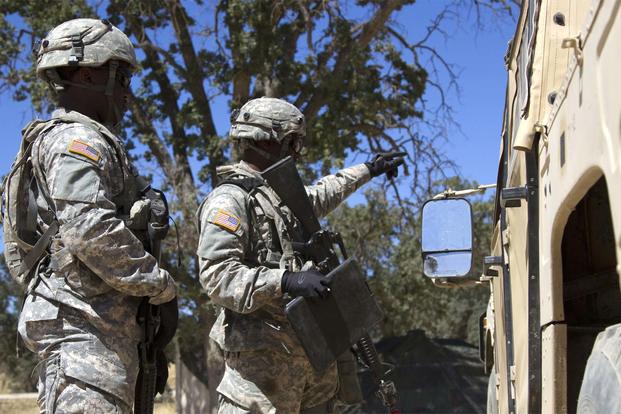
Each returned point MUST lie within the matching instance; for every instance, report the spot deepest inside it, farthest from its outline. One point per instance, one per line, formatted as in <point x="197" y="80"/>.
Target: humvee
<point x="551" y="336"/>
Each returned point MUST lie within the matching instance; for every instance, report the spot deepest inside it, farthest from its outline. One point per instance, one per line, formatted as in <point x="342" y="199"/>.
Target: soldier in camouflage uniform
<point x="249" y="268"/>
<point x="79" y="315"/>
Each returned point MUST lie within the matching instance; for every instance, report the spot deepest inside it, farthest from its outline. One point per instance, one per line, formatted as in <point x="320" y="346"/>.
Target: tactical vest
<point x="276" y="251"/>
<point x="26" y="244"/>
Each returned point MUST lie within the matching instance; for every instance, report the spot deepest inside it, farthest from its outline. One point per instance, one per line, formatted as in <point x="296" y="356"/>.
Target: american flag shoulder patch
<point x="82" y="148"/>
<point x="225" y="220"/>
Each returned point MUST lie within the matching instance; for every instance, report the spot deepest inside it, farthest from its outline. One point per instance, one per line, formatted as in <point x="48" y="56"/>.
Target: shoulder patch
<point x="82" y="148"/>
<point x="225" y="220"/>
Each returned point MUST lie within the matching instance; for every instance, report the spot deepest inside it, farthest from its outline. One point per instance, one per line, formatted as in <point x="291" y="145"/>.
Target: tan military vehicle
<point x="551" y="337"/>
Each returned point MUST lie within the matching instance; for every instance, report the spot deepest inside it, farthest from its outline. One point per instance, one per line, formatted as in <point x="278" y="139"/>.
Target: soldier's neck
<point x="252" y="166"/>
<point x="70" y="104"/>
<point x="255" y="161"/>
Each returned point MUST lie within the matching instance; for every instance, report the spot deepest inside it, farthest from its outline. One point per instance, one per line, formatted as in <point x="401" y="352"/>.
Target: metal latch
<point x="512" y="197"/>
<point x="574" y="43"/>
<point x="488" y="262"/>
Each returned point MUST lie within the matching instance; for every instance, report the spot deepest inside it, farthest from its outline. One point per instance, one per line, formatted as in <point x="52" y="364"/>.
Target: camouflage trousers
<point x="272" y="382"/>
<point x="81" y="369"/>
<point x="59" y="394"/>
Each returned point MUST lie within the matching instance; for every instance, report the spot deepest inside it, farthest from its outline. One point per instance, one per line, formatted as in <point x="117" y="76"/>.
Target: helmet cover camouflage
<point x="83" y="42"/>
<point x="265" y="119"/>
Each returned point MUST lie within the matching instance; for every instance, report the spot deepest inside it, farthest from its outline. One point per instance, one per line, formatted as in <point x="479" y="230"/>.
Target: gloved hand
<point x="169" y="318"/>
<point x="308" y="283"/>
<point x="161" y="376"/>
<point x="386" y="163"/>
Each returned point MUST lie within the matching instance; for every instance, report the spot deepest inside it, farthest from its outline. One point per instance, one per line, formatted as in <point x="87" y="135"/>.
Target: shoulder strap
<point x="248" y="184"/>
<point x="38" y="171"/>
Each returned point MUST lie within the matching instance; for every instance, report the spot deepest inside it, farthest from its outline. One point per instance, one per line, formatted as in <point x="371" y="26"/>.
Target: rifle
<point x="318" y="245"/>
<point x="155" y="334"/>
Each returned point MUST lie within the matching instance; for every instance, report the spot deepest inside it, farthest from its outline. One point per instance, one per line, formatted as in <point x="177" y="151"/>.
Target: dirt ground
<point x="29" y="406"/>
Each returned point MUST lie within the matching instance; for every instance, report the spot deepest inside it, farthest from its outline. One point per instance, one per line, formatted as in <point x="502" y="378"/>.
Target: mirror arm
<point x="449" y="193"/>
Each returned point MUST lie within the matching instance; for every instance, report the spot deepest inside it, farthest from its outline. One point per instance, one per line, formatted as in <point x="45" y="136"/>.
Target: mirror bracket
<point x="513" y="196"/>
<point x="488" y="262"/>
<point x="493" y="261"/>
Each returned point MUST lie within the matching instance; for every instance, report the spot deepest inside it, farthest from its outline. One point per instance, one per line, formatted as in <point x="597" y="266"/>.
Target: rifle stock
<point x="144" y="398"/>
<point x="149" y="319"/>
<point x="284" y="179"/>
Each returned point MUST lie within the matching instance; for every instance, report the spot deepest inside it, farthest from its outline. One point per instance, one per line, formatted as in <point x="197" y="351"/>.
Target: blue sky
<point x="478" y="58"/>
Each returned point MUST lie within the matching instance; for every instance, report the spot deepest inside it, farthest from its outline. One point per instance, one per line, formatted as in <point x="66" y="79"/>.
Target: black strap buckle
<point x="77" y="51"/>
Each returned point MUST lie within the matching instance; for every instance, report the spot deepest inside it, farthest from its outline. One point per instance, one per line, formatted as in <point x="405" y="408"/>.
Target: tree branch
<point x="368" y="31"/>
<point x="194" y="80"/>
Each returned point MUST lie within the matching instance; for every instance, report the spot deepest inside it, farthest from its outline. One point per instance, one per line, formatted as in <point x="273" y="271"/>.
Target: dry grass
<point x="21" y="406"/>
<point x="164" y="408"/>
<point x="29" y="406"/>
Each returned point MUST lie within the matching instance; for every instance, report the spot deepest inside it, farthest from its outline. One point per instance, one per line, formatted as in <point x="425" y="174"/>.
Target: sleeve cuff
<point x="276" y="280"/>
<point x="169" y="292"/>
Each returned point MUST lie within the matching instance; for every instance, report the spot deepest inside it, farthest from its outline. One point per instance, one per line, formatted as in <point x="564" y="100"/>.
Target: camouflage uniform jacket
<point x="98" y="269"/>
<point x="244" y="249"/>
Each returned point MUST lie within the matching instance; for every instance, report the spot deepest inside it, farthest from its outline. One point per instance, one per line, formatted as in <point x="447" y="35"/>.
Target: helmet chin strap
<point x="113" y="115"/>
<point x="285" y="149"/>
<point x="268" y="156"/>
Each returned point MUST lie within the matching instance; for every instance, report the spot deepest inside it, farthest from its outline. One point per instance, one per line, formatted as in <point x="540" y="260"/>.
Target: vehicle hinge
<point x="512" y="374"/>
<point x="574" y="43"/>
<point x="506" y="236"/>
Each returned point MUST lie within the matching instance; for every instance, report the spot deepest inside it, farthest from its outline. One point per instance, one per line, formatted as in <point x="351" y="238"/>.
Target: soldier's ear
<point x="85" y="75"/>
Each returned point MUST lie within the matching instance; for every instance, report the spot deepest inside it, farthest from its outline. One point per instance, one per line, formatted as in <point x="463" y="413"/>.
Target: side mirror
<point x="447" y="238"/>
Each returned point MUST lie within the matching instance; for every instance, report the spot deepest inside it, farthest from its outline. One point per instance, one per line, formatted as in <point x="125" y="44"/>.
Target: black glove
<point x="386" y="163"/>
<point x="161" y="366"/>
<point x="309" y="283"/>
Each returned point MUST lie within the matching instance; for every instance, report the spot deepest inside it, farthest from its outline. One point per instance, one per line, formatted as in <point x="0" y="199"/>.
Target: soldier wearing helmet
<point x="79" y="315"/>
<point x="249" y="268"/>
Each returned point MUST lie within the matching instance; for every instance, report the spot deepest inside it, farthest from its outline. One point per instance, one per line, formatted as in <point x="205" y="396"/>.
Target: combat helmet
<point x="83" y="43"/>
<point x="269" y="119"/>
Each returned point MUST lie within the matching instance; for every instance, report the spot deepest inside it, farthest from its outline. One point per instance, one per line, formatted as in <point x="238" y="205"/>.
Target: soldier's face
<point x="122" y="89"/>
<point x="120" y="95"/>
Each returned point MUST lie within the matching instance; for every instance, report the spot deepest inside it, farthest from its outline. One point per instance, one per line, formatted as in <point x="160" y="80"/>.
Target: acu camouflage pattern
<point x="272" y="382"/>
<point x="241" y="271"/>
<point x="102" y="42"/>
<point x="81" y="309"/>
<point x="265" y="119"/>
